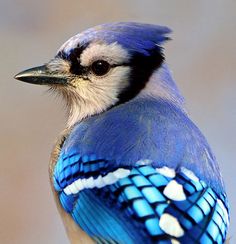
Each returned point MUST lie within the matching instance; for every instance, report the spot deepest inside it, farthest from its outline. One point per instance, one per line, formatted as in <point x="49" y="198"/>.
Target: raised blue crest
<point x="135" y="37"/>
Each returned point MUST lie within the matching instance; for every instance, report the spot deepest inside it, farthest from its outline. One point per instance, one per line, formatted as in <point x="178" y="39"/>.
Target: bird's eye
<point x="100" y="67"/>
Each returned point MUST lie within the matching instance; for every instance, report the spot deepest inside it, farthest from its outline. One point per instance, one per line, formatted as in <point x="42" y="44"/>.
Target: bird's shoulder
<point x="132" y="122"/>
<point x="146" y="129"/>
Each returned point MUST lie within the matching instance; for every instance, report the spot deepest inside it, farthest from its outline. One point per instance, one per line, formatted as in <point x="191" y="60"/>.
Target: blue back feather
<point x="146" y="129"/>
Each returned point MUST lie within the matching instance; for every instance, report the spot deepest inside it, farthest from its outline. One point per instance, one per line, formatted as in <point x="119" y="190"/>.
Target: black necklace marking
<point x="142" y="68"/>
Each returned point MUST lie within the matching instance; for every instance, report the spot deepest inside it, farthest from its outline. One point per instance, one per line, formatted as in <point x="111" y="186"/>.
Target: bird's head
<point x="102" y="67"/>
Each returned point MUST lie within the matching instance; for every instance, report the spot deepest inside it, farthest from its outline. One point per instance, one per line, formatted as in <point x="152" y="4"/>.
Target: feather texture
<point x="138" y="207"/>
<point x="146" y="129"/>
<point x="137" y="168"/>
<point x="135" y="37"/>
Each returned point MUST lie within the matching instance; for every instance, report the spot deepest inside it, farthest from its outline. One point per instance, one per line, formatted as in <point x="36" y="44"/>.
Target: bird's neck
<point x="162" y="85"/>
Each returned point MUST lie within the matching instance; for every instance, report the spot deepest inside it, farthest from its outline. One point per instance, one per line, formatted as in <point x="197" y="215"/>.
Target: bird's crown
<point x="135" y="37"/>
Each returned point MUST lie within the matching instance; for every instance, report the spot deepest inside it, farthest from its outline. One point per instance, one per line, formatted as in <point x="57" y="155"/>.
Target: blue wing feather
<point x="132" y="207"/>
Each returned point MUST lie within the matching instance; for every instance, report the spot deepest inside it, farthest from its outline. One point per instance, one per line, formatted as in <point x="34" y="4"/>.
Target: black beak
<point x="41" y="75"/>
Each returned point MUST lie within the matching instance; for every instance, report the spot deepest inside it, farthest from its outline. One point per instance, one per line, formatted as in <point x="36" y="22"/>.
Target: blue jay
<point x="131" y="166"/>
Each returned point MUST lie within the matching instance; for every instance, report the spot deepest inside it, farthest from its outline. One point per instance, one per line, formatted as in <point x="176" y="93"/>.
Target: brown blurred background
<point x="202" y="56"/>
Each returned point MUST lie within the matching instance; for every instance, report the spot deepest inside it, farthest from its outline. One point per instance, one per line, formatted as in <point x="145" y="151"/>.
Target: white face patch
<point x="99" y="182"/>
<point x="170" y="225"/>
<point x="174" y="191"/>
<point x="112" y="53"/>
<point x="93" y="94"/>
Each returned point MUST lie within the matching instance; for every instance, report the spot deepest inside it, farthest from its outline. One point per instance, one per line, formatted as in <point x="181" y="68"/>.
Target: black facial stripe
<point x="120" y="64"/>
<point x="86" y="70"/>
<point x="142" y="68"/>
<point x="73" y="57"/>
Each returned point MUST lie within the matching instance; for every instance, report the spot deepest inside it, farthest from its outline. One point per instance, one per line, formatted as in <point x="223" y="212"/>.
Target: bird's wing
<point x="75" y="234"/>
<point x="119" y="205"/>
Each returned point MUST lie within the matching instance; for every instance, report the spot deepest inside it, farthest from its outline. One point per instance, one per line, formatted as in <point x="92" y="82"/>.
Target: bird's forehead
<point x="134" y="37"/>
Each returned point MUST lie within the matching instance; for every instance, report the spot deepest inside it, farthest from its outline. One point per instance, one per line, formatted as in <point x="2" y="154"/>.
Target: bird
<point x="131" y="166"/>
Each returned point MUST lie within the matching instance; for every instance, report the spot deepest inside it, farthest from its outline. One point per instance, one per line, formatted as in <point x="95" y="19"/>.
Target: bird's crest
<point x="135" y="37"/>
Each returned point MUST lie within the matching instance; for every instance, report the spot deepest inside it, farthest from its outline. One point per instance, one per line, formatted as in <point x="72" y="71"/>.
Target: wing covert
<point x="128" y="203"/>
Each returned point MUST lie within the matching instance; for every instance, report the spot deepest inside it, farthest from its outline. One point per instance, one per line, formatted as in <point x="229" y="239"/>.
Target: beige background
<point x="202" y="56"/>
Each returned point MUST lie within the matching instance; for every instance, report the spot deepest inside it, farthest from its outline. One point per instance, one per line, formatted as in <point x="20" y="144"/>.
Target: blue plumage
<point x="135" y="37"/>
<point x="133" y="167"/>
<point x="157" y="130"/>
<point x="131" y="209"/>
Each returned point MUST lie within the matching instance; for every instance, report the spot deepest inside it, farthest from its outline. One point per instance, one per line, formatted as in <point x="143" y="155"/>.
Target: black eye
<point x="100" y="67"/>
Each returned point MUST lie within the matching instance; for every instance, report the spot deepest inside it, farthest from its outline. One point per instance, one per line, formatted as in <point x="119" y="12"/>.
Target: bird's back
<point x="144" y="137"/>
<point x="147" y="128"/>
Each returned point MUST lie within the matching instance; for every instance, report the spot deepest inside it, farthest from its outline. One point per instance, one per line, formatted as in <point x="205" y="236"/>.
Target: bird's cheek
<point x="78" y="82"/>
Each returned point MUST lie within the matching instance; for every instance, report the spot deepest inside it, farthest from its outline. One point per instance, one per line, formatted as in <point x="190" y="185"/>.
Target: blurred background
<point x="202" y="56"/>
